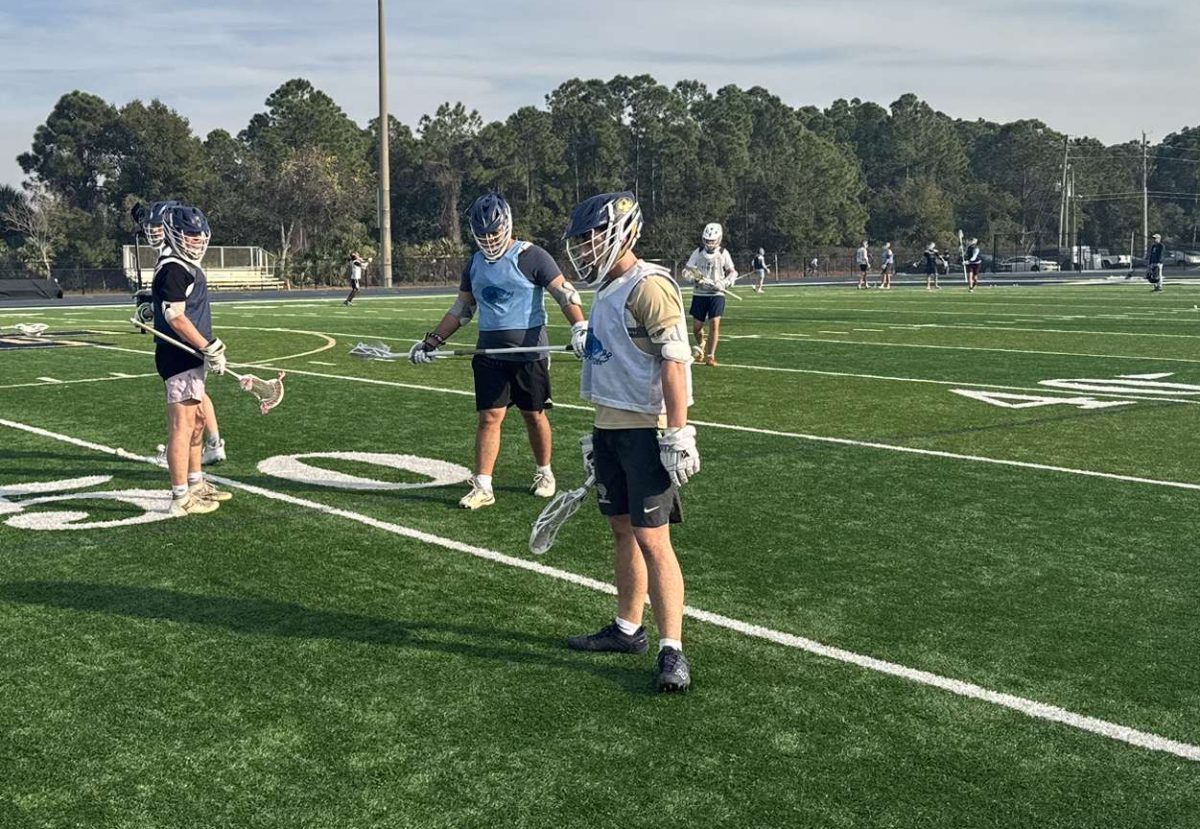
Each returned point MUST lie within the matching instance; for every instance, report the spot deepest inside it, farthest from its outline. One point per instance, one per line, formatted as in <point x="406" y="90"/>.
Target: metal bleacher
<point x="227" y="268"/>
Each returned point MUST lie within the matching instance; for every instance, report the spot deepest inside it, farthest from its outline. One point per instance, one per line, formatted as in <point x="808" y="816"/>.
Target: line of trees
<point x="299" y="179"/>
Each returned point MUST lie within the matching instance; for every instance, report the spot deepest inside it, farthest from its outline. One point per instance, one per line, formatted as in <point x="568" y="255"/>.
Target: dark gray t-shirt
<point x="538" y="267"/>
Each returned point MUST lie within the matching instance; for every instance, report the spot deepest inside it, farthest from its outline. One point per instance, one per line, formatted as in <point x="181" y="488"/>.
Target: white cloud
<point x="1107" y="68"/>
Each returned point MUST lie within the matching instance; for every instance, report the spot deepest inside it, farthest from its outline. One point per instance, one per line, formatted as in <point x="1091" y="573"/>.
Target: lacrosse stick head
<point x="31" y="329"/>
<point x="561" y="507"/>
<point x="268" y="392"/>
<point x="376" y="351"/>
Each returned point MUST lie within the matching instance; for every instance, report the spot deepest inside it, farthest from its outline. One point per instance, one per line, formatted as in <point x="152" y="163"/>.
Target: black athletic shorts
<point x="503" y="383"/>
<point x="707" y="307"/>
<point x="630" y="479"/>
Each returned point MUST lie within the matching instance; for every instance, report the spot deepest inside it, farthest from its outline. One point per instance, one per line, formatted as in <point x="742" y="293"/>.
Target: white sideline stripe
<point x="49" y="380"/>
<point x="872" y="330"/>
<point x="85" y="380"/>
<point x="1028" y="707"/>
<point x="833" y="332"/>
<point x="320" y="363"/>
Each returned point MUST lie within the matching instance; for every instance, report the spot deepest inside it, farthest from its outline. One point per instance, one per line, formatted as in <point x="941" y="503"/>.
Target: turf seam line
<point x="1028" y="707"/>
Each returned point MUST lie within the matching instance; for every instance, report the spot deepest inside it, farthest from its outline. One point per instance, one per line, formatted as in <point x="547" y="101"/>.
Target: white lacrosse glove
<point x="579" y="332"/>
<point x="419" y="354"/>
<point x="589" y="455"/>
<point x="214" y="356"/>
<point x="678" y="453"/>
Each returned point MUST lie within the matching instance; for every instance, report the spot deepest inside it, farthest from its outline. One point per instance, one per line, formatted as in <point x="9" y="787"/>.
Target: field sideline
<point x="939" y="558"/>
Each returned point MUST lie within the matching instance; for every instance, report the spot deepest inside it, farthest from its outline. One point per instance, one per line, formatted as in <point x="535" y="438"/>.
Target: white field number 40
<point x="1131" y="385"/>
<point x="153" y="503"/>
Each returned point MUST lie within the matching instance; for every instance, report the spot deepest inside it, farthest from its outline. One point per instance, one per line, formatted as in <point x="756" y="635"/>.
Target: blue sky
<point x="1106" y="68"/>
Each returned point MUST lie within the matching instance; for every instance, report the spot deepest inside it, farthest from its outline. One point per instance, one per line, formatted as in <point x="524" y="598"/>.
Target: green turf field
<point x="911" y="606"/>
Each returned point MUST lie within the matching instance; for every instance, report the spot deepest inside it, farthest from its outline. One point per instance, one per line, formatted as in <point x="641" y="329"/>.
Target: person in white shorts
<point x="179" y="295"/>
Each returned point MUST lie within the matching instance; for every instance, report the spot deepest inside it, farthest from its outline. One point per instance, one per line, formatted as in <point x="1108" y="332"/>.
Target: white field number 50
<point x="154" y="503"/>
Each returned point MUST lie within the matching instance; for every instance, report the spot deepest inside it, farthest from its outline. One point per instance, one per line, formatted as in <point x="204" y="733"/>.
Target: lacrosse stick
<point x="563" y="506"/>
<point x="30" y="329"/>
<point x="379" y="351"/>
<point x="699" y="280"/>
<point x="962" y="252"/>
<point x="268" y="392"/>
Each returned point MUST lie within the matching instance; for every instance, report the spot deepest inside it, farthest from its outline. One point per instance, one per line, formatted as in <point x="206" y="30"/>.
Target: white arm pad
<point x="673" y="345"/>
<point x="463" y="310"/>
<point x="566" y="295"/>
<point x="174" y="310"/>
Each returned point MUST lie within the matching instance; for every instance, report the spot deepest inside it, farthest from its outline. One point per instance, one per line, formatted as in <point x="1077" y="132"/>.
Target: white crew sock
<point x="484" y="481"/>
<point x="545" y="470"/>
<point x="214" y="438"/>
<point x="670" y="643"/>
<point x="178" y="492"/>
<point x="195" y="478"/>
<point x="625" y="626"/>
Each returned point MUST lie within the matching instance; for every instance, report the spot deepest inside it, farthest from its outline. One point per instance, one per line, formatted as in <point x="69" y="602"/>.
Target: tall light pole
<point x="1145" y="194"/>
<point x="385" y="188"/>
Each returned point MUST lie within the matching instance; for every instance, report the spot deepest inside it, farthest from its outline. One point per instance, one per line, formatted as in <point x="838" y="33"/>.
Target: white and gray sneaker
<point x="191" y="504"/>
<point x="477" y="497"/>
<point x="544" y="485"/>
<point x="213" y="453"/>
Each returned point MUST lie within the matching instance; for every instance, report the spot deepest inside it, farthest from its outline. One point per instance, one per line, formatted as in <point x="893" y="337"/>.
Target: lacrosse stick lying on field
<point x="379" y="351"/>
<point x="29" y="329"/>
<point x="563" y="506"/>
<point x="268" y="392"/>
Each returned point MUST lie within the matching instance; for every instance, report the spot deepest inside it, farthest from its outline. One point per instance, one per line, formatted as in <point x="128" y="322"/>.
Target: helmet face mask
<point x="153" y="226"/>
<point x="603" y="229"/>
<point x="712" y="236"/>
<point x="491" y="225"/>
<point x="187" y="232"/>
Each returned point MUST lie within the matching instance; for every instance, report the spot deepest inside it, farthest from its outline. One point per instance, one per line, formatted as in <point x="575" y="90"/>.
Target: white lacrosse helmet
<point x="602" y="230"/>
<point x="712" y="236"/>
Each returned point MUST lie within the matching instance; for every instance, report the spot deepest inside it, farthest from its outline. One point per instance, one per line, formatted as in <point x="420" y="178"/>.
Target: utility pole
<point x="1062" y="202"/>
<point x="385" y="187"/>
<point x="1145" y="194"/>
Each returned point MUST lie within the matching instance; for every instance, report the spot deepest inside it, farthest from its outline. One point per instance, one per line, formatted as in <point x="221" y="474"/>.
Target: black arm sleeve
<point x="538" y="266"/>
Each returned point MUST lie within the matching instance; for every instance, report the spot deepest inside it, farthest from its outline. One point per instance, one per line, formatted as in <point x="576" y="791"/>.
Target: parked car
<point x="1026" y="264"/>
<point x="1181" y="257"/>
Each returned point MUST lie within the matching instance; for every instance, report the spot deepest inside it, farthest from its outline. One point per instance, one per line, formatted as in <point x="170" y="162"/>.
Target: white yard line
<point x="49" y="380"/>
<point x="933" y="453"/>
<point x="959" y="383"/>
<point x="1156" y="359"/>
<point x="1028" y="707"/>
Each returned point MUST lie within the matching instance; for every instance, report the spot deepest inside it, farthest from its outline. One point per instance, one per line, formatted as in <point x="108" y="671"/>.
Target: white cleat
<point x="191" y="504"/>
<point x="207" y="492"/>
<point x="213" y="453"/>
<point x="477" y="497"/>
<point x="544" y="485"/>
<point x="160" y="457"/>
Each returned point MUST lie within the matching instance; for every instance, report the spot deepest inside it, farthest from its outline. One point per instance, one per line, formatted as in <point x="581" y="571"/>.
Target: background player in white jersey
<point x="637" y="373"/>
<point x="182" y="312"/>
<point x="759" y="266"/>
<point x="505" y="280"/>
<point x="887" y="265"/>
<point x="356" y="267"/>
<point x="973" y="259"/>
<point x="862" y="258"/>
<point x="711" y="267"/>
<point x="214" y="445"/>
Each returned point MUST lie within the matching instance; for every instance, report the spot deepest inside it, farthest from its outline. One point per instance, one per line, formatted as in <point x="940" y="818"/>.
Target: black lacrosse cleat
<point x="674" y="673"/>
<point x="610" y="638"/>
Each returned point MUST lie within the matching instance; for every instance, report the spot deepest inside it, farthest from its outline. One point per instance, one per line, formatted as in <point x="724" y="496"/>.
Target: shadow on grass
<point x="264" y="617"/>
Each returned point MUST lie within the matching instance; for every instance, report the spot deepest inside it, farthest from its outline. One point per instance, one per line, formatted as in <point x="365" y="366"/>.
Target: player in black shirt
<point x="181" y="312"/>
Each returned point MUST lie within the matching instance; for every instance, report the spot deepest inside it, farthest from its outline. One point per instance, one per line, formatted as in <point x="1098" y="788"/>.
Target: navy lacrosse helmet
<point x="186" y="230"/>
<point x="602" y="230"/>
<point x="491" y="225"/>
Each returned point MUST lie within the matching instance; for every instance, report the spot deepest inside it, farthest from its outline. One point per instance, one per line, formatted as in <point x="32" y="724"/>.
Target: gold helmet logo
<point x="624" y="205"/>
